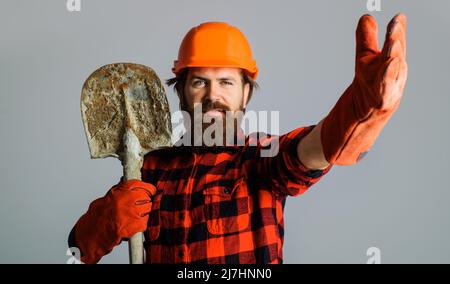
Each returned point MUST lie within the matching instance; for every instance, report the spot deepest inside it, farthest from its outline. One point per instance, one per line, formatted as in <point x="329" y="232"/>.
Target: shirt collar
<point x="241" y="140"/>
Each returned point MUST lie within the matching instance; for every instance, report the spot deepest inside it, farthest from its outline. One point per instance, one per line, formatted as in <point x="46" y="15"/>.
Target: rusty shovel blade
<point x="120" y="96"/>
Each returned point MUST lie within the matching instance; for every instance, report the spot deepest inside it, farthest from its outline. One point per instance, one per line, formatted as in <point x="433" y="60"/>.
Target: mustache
<point x="209" y="105"/>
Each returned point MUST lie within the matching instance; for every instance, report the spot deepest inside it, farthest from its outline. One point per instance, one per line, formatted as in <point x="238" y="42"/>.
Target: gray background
<point x="396" y="199"/>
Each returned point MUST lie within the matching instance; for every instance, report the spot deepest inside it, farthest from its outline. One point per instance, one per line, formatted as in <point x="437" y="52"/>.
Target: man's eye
<point x="227" y="83"/>
<point x="198" y="83"/>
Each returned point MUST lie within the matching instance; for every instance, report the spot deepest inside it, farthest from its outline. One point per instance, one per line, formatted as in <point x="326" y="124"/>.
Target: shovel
<point x="126" y="115"/>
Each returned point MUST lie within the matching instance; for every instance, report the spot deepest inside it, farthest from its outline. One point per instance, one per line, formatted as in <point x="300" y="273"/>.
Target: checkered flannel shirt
<point x="223" y="204"/>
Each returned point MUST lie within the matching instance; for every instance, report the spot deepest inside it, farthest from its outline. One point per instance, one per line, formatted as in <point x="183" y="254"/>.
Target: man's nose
<point x="213" y="92"/>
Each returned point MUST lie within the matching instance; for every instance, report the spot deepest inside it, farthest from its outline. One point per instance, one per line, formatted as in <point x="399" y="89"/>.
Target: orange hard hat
<point x="215" y="44"/>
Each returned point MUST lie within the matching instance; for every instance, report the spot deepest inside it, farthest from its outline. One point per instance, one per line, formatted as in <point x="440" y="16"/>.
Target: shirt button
<point x="226" y="190"/>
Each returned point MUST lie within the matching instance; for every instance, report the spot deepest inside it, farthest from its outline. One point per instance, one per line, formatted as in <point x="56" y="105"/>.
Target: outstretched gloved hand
<point x="354" y="123"/>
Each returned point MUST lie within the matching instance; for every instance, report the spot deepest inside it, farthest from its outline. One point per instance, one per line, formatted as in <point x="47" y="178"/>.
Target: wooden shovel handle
<point x="132" y="164"/>
<point x="136" y="248"/>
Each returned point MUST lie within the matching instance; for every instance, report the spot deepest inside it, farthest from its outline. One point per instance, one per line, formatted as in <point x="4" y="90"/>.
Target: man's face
<point x="216" y="90"/>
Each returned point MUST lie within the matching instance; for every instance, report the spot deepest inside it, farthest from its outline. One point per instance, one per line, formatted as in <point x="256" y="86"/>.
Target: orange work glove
<point x="353" y="125"/>
<point x="120" y="214"/>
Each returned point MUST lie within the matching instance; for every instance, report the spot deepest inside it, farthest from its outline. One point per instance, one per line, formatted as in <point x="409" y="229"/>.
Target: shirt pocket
<point x="154" y="220"/>
<point x="227" y="208"/>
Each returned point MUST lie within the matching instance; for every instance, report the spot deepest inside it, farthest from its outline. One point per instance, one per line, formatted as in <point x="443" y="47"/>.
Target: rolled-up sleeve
<point x="278" y="164"/>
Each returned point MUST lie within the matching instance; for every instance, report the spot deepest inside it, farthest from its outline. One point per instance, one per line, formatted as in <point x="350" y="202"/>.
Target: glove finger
<point x="400" y="29"/>
<point x="403" y="74"/>
<point x="399" y="34"/>
<point x="134" y="228"/>
<point x="149" y="192"/>
<point x="396" y="30"/>
<point x="142" y="201"/>
<point x="390" y="93"/>
<point x="366" y="36"/>
<point x="131" y="203"/>
<point x="138" y="184"/>
<point x="143" y="209"/>
<point x="395" y="50"/>
<point x="133" y="220"/>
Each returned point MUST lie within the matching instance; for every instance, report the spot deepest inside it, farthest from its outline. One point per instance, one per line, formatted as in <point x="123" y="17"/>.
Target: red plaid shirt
<point x="223" y="204"/>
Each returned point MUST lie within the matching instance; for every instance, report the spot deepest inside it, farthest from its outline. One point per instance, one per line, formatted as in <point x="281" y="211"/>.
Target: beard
<point x="215" y="124"/>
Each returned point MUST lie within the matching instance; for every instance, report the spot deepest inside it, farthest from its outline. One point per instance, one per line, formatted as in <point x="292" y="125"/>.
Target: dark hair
<point x="179" y="82"/>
